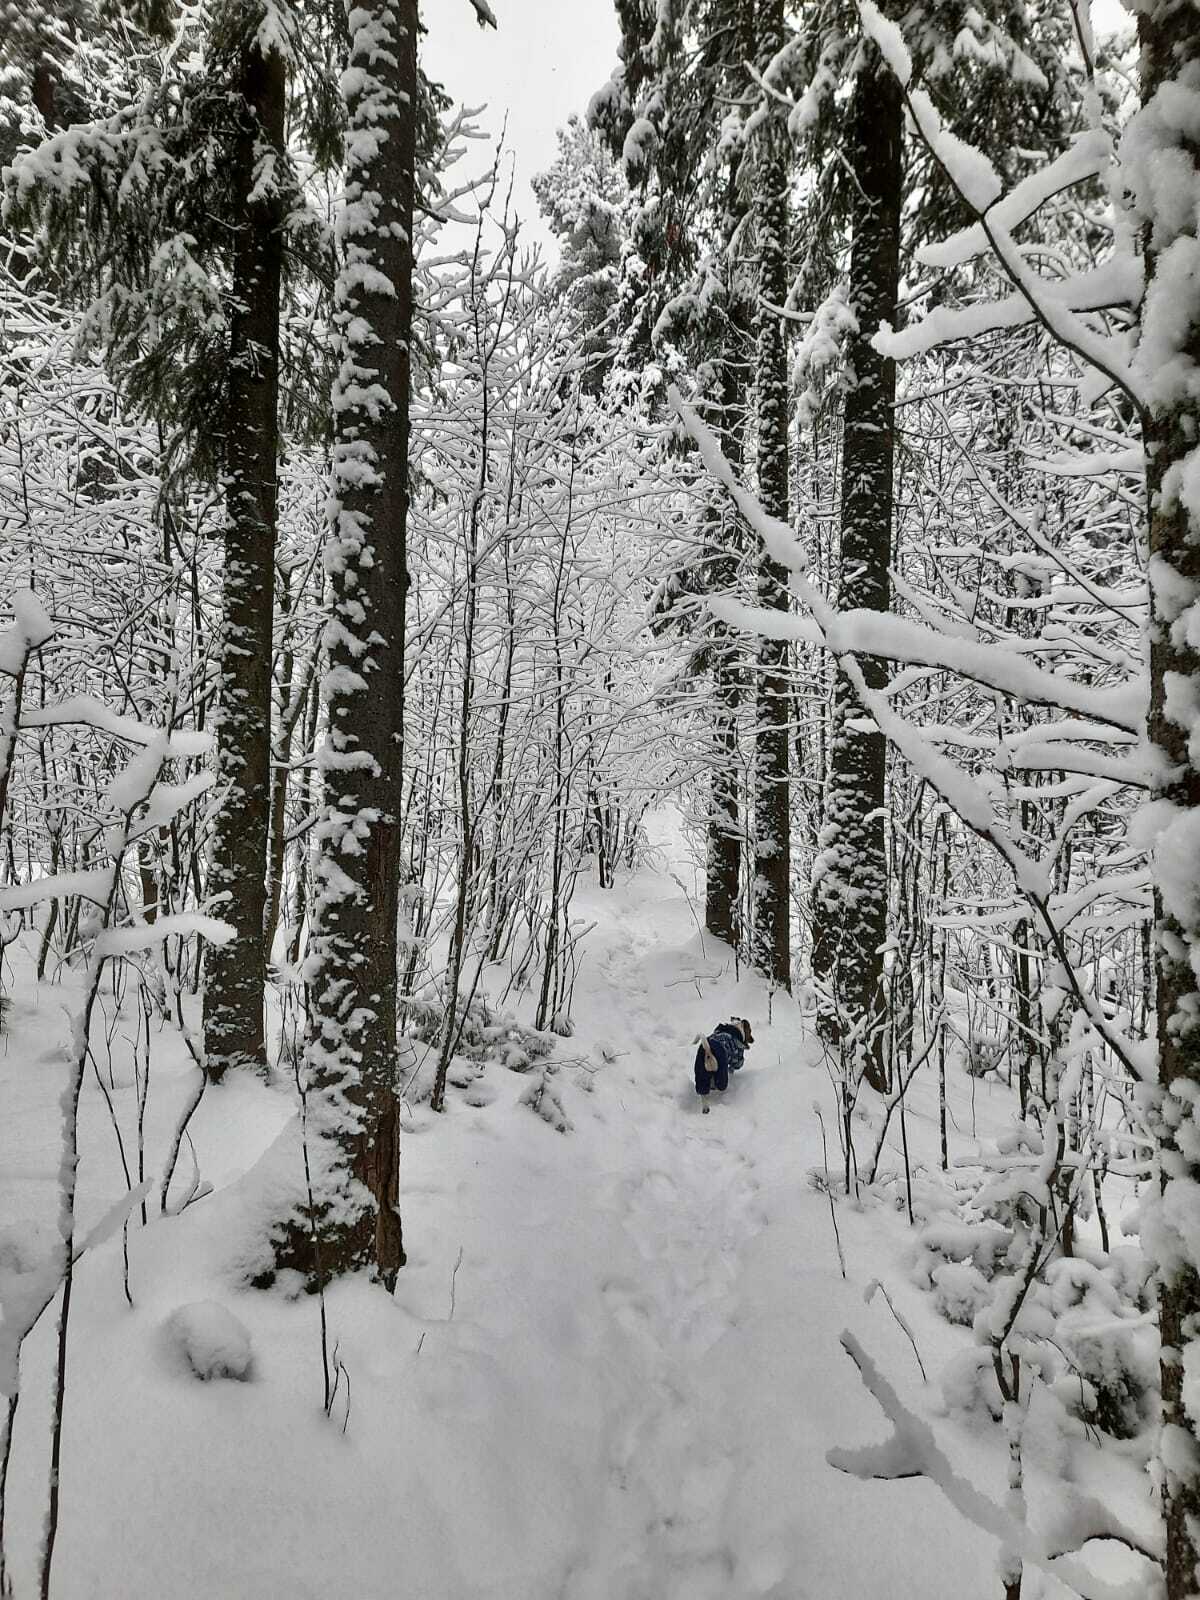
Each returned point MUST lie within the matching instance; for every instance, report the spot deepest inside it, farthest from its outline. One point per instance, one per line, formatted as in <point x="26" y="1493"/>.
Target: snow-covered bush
<point x="960" y="1291"/>
<point x="1112" y="1367"/>
<point x="485" y="1035"/>
<point x="210" y="1340"/>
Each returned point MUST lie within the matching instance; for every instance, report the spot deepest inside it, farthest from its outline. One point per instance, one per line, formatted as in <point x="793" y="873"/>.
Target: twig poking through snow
<point x="829" y="1192"/>
<point x="900" y="1321"/>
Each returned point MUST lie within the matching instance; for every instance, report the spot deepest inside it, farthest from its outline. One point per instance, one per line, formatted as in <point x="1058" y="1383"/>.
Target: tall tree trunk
<point x="236" y="972"/>
<point x="723" y="877"/>
<point x="772" y="789"/>
<point x="351" y="1050"/>
<point x="850" y="884"/>
<point x="281" y="752"/>
<point x="1169" y="33"/>
<point x="723" y="882"/>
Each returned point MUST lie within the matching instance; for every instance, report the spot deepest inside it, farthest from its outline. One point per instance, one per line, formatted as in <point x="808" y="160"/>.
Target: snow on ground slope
<point x="611" y="1369"/>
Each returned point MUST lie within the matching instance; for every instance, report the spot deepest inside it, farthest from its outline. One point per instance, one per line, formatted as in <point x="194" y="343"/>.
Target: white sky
<point x="546" y="60"/>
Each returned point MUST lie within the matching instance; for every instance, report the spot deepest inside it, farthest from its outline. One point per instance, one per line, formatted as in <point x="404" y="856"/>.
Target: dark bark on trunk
<point x="1169" y="34"/>
<point x="293" y="699"/>
<point x="850" y="889"/>
<point x="723" y="883"/>
<point x="352" y="1049"/>
<point x="236" y="972"/>
<point x="722" y="896"/>
<point x="308" y="790"/>
<point x="772" y="810"/>
<point x="723" y="878"/>
<point x="281" y="748"/>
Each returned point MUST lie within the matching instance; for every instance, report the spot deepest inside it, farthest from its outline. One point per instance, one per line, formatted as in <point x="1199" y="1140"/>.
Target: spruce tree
<point x="582" y="195"/>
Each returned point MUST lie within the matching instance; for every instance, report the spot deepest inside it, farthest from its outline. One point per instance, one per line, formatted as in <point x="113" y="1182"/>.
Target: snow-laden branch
<point x="978" y="184"/>
<point x="31" y="629"/>
<point x="898" y="638"/>
<point x="876" y="633"/>
<point x="1086" y="157"/>
<point x="85" y="710"/>
<point x="912" y="1451"/>
<point x="966" y="796"/>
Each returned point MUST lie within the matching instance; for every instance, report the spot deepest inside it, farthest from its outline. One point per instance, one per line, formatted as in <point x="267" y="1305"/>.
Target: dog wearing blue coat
<point x="722" y="1052"/>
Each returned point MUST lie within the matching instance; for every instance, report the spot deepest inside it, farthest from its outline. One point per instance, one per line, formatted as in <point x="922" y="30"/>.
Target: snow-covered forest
<point x="471" y="708"/>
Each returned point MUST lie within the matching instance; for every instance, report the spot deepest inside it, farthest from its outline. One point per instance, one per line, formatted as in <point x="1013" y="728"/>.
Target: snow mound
<point x="213" y="1342"/>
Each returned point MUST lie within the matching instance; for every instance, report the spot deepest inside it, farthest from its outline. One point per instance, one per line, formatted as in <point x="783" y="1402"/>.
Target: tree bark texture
<point x="723" y="879"/>
<point x="236" y="972"/>
<point x="850" y="881"/>
<point x="772" y="810"/>
<point x="1169" y="34"/>
<point x="352" y="1051"/>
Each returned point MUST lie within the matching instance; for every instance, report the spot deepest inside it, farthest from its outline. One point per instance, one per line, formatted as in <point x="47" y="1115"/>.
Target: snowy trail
<point x="729" y="1301"/>
<point x="685" y="1223"/>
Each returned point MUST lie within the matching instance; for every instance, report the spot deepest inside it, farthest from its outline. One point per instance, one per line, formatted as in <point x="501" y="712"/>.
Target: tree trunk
<point x="772" y="811"/>
<point x="281" y="752"/>
<point x="723" y="883"/>
<point x="351" y="1052"/>
<point x="1170" y="39"/>
<point x="850" y="885"/>
<point x="723" y="878"/>
<point x="236" y="972"/>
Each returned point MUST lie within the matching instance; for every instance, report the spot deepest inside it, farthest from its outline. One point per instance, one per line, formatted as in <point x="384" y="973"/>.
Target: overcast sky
<point x="546" y="59"/>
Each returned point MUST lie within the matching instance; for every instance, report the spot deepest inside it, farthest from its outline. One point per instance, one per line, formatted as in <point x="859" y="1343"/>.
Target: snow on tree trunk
<point x="236" y="972"/>
<point x="1161" y="166"/>
<point x="351" y="1054"/>
<point x="850" y="884"/>
<point x="772" y="824"/>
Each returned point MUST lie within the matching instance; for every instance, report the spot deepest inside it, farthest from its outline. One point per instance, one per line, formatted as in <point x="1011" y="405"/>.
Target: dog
<point x="721" y="1053"/>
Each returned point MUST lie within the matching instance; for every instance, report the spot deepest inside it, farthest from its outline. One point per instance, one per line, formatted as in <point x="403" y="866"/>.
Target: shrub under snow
<point x="213" y="1342"/>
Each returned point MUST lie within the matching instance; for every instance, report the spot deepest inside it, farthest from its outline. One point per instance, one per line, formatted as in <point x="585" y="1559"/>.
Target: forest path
<point x="727" y="1302"/>
<point x="685" y="1195"/>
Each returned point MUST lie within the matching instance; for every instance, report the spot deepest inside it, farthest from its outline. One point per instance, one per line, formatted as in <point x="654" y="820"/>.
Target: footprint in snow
<point x="662" y="1185"/>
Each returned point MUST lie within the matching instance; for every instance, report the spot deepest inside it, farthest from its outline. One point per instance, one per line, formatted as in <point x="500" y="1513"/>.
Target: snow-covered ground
<point x="611" y="1369"/>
